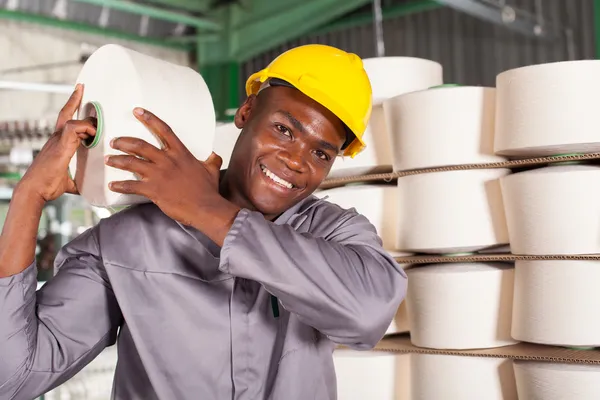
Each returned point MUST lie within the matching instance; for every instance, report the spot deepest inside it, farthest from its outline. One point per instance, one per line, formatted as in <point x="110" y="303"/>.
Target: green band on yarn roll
<point x="99" y="123"/>
<point x="567" y="162"/>
<point x="457" y="254"/>
<point x="581" y="348"/>
<point x="445" y="85"/>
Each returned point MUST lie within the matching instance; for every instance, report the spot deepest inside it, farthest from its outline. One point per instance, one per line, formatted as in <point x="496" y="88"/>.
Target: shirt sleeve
<point x="343" y="284"/>
<point x="47" y="336"/>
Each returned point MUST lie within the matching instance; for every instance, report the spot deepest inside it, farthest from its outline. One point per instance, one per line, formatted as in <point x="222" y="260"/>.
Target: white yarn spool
<point x="116" y="81"/>
<point x="393" y="76"/>
<point x="461" y="305"/>
<point x="444" y="377"/>
<point x="389" y="77"/>
<point x="451" y="211"/>
<point x="548" y="109"/>
<point x="553" y="381"/>
<point x="556" y="302"/>
<point x="226" y="136"/>
<point x="441" y="127"/>
<point x="400" y="323"/>
<point x="372" y="375"/>
<point x="553" y="210"/>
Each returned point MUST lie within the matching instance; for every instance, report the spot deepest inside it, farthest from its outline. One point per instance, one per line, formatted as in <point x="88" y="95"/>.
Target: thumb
<point x="71" y="186"/>
<point x="214" y="161"/>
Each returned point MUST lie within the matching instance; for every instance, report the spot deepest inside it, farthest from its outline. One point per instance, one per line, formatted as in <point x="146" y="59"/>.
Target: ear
<point x="243" y="113"/>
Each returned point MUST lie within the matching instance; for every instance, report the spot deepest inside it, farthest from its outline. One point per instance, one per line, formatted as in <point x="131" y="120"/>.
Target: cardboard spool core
<point x="93" y="109"/>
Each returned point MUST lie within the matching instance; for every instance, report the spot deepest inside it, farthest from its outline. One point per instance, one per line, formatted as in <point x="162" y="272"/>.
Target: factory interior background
<point x="44" y="43"/>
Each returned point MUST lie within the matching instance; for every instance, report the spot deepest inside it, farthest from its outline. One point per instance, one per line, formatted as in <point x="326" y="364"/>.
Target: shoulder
<point x="327" y="219"/>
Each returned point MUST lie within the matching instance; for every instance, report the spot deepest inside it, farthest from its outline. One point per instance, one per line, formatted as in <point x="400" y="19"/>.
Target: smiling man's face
<point x="286" y="149"/>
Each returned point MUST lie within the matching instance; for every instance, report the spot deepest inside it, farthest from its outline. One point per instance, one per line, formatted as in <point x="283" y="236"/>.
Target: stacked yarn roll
<point x="544" y="110"/>
<point x="390" y="76"/>
<point x="453" y="305"/>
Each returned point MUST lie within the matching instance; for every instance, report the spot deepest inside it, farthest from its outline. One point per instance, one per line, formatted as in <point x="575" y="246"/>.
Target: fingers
<point x="78" y="129"/>
<point x="69" y="109"/>
<point x="129" y="163"/>
<point x="128" y="187"/>
<point x="158" y="127"/>
<point x="71" y="187"/>
<point x="138" y="147"/>
<point x="214" y="161"/>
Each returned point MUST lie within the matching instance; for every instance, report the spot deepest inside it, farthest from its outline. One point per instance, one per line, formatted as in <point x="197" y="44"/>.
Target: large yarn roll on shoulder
<point x="548" y="109"/>
<point x="553" y="210"/>
<point x="445" y="377"/>
<point x="365" y="375"/>
<point x="557" y="302"/>
<point x="461" y="305"/>
<point x="451" y="211"/>
<point x="117" y="80"/>
<point x="554" y="381"/>
<point x="226" y="136"/>
<point x="389" y="76"/>
<point x="441" y="127"/>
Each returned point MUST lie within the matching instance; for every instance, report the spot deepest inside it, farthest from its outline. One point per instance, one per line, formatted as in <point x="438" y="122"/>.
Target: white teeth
<point x="275" y="178"/>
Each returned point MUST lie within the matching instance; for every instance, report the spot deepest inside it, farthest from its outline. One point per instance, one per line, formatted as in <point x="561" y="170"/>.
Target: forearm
<point x="349" y="291"/>
<point x="19" y="234"/>
<point x="49" y="335"/>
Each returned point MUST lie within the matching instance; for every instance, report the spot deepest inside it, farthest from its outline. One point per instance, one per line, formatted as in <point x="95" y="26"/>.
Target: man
<point x="224" y="287"/>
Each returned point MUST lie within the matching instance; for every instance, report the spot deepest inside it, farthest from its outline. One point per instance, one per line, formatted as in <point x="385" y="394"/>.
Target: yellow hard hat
<point x="330" y="76"/>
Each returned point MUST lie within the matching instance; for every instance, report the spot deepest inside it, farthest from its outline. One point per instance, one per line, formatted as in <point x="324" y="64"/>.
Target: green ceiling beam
<point x="395" y="11"/>
<point x="155" y="12"/>
<point x="89" y="29"/>
<point x="263" y="25"/>
<point x="188" y="5"/>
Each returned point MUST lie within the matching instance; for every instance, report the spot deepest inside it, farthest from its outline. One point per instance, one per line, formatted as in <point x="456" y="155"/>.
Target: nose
<point x="294" y="159"/>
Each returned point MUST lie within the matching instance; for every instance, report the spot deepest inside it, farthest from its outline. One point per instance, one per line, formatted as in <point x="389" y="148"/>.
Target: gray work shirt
<point x="195" y="321"/>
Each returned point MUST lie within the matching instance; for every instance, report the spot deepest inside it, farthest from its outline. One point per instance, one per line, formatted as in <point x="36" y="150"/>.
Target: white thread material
<point x="550" y="381"/>
<point x="556" y="302"/>
<point x="548" y="109"/>
<point x="393" y="76"/>
<point x="442" y="127"/>
<point x="389" y="77"/>
<point x="444" y="377"/>
<point x="451" y="211"/>
<point x="119" y="80"/>
<point x="461" y="305"/>
<point x="372" y="375"/>
<point x="226" y="136"/>
<point x="553" y="210"/>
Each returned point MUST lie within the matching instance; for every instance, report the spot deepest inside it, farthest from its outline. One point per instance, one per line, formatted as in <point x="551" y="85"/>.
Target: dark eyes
<point x="285" y="131"/>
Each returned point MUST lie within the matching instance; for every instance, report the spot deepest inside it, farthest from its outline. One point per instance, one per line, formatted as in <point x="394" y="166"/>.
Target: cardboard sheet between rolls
<point x="461" y="306"/>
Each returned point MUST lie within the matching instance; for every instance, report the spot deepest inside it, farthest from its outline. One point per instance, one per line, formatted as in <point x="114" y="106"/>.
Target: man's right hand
<point x="48" y="176"/>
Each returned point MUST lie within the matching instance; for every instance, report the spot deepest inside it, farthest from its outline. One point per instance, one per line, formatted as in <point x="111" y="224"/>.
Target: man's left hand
<point x="182" y="186"/>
